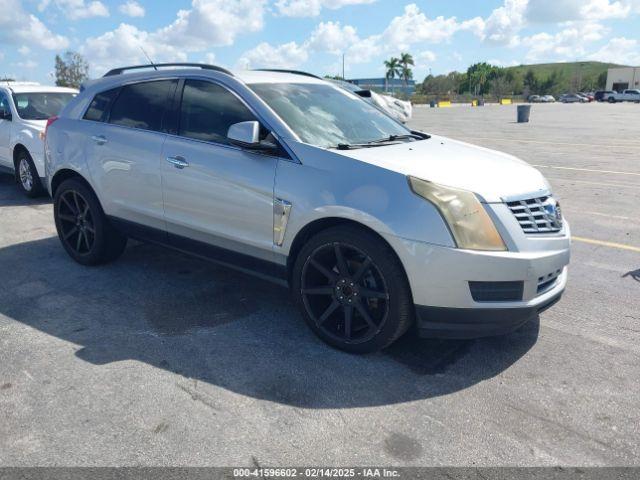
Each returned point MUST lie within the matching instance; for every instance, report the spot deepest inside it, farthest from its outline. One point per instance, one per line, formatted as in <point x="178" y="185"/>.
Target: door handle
<point x="99" y="139"/>
<point x="178" y="161"/>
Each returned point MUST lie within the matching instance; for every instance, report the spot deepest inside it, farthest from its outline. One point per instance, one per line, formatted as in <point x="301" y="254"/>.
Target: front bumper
<point x="441" y="322"/>
<point x="439" y="278"/>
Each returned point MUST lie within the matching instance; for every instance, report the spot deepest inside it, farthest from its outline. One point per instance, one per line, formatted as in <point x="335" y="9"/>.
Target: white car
<point x="24" y="110"/>
<point x="626" y="96"/>
<point x="374" y="227"/>
<point x="400" y="110"/>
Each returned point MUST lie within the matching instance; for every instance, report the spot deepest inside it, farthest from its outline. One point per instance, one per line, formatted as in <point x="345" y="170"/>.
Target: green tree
<point x="478" y="76"/>
<point x="406" y="59"/>
<point x="393" y="67"/>
<point x="71" y="70"/>
<point x="531" y="82"/>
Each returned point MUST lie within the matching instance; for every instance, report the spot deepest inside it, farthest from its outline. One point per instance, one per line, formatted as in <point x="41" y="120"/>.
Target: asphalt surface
<point x="161" y="359"/>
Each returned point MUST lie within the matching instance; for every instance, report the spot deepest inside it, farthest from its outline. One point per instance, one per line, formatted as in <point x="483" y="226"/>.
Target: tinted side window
<point x="208" y="110"/>
<point x="142" y="105"/>
<point x="4" y="103"/>
<point x="98" y="109"/>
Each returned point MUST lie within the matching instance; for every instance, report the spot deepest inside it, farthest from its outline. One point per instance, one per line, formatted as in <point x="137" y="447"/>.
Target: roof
<point x="30" y="87"/>
<point x="263" y="76"/>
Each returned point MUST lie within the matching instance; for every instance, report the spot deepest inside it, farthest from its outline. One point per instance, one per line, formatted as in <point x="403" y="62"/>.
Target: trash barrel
<point x="523" y="113"/>
<point x="432" y="103"/>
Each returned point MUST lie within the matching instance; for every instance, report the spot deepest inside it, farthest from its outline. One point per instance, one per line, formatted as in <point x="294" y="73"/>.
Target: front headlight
<point x="470" y="225"/>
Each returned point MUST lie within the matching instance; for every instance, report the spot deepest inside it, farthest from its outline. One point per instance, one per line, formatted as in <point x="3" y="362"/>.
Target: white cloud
<point x="504" y="23"/>
<point x="29" y="64"/>
<point x="425" y="56"/>
<point x="413" y="26"/>
<point x="209" y="23"/>
<point x="312" y="8"/>
<point x="24" y="50"/>
<point x="22" y="28"/>
<point x="332" y="37"/>
<point x="288" y="55"/>
<point x="621" y="50"/>
<point x="77" y="9"/>
<point x="502" y="63"/>
<point x="553" y="11"/>
<point x="568" y="44"/>
<point x="132" y="9"/>
<point x="210" y="58"/>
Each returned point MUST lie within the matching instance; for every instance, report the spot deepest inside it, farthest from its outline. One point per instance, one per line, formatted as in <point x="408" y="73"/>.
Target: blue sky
<point x="313" y="34"/>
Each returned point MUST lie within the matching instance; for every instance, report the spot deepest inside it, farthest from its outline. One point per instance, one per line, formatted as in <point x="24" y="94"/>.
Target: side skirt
<point x="258" y="267"/>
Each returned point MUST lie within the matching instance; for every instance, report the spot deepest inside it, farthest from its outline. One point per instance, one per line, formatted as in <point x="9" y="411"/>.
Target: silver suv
<point x="373" y="226"/>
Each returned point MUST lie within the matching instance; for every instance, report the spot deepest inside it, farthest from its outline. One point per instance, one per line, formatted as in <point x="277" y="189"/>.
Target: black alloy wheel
<point x="83" y="228"/>
<point x="345" y="293"/>
<point x="352" y="289"/>
<point x="77" y="226"/>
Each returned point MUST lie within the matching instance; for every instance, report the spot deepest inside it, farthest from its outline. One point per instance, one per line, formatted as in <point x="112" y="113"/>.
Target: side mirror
<point x="246" y="134"/>
<point x="5" y="114"/>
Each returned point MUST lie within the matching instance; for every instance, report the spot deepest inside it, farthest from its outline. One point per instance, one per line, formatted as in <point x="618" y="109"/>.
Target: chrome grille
<point x="547" y="282"/>
<point x="537" y="215"/>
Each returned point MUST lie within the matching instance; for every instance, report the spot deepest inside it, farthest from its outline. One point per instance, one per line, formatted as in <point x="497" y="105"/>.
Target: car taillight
<point x="50" y="120"/>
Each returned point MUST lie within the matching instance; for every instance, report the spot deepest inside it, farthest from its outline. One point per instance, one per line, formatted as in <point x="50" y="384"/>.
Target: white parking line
<point x="506" y="139"/>
<point x="588" y="170"/>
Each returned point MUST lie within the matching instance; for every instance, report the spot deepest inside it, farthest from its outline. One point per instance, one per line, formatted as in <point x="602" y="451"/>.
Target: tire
<point x="27" y="175"/>
<point x="83" y="228"/>
<point x="612" y="100"/>
<point x="362" y="306"/>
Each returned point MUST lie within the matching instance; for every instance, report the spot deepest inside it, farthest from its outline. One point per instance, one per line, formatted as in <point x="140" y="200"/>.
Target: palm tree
<point x="393" y="68"/>
<point x="406" y="73"/>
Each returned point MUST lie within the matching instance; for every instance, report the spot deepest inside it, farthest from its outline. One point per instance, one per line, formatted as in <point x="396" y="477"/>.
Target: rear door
<point x="125" y="147"/>
<point x="222" y="196"/>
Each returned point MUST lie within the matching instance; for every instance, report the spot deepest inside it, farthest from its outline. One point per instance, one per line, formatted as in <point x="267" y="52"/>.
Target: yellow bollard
<point x="444" y="103"/>
<point x="505" y="101"/>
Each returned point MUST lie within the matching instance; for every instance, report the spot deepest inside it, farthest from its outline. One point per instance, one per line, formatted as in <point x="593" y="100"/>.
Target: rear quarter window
<point x="99" y="106"/>
<point x="143" y="105"/>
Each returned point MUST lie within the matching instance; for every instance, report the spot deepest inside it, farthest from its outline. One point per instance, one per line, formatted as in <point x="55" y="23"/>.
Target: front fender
<point x="329" y="185"/>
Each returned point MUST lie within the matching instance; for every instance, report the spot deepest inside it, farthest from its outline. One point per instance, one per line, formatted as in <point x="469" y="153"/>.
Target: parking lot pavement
<point x="161" y="359"/>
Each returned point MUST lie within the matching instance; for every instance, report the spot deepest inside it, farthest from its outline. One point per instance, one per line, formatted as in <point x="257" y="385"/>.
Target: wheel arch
<point x="65" y="174"/>
<point x="321" y="224"/>
<point x="17" y="149"/>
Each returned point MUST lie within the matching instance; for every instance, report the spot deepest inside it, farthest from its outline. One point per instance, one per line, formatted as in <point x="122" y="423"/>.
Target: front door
<point x="216" y="193"/>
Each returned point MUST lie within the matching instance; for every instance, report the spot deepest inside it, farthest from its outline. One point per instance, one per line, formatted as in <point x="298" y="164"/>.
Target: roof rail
<point x="204" y="66"/>
<point x="283" y="70"/>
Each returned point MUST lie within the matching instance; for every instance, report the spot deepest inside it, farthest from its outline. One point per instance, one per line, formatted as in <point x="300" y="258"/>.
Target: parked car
<point x="600" y="94"/>
<point x="588" y="96"/>
<point x="373" y="226"/>
<point x="535" y="98"/>
<point x="631" y="95"/>
<point x="400" y="110"/>
<point x="24" y="110"/>
<point x="547" y="99"/>
<point x="572" y="98"/>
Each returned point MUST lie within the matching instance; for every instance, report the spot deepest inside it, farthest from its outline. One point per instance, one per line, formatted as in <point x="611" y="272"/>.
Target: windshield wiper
<point x="382" y="141"/>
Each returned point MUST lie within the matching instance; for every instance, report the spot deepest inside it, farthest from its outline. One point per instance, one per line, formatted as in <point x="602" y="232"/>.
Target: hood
<point x="492" y="175"/>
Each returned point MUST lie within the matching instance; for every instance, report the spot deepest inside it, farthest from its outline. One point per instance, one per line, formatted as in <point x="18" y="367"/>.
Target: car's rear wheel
<point x="27" y="175"/>
<point x="83" y="228"/>
<point x="352" y="290"/>
<point x="612" y="100"/>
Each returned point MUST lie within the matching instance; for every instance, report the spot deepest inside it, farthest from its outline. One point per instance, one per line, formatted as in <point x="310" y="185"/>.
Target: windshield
<point x="40" y="106"/>
<point x="326" y="116"/>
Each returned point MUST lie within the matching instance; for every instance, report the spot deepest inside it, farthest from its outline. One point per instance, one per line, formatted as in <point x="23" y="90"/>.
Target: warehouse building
<point x="385" y="85"/>
<point x="621" y="78"/>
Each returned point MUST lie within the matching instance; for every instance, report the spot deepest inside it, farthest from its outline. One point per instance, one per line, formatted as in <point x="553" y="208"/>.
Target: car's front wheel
<point x="352" y="290"/>
<point x="83" y="228"/>
<point x="27" y="175"/>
